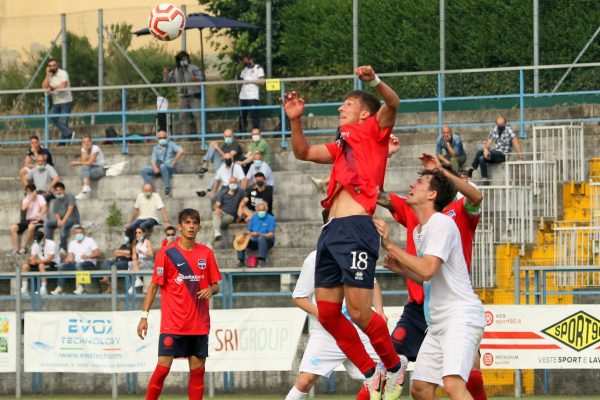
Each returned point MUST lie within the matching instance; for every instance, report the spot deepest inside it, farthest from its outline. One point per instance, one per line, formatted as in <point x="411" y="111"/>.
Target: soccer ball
<point x="166" y="22"/>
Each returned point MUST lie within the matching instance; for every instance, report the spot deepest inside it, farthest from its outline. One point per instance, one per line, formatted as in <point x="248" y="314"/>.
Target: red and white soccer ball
<point x="166" y="22"/>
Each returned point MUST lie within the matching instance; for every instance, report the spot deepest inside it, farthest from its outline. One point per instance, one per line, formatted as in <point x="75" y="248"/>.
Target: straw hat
<point x="240" y="242"/>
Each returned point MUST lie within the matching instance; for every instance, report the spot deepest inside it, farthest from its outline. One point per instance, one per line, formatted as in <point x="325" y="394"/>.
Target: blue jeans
<point x="145" y="224"/>
<point x="62" y="123"/>
<point x="120" y="265"/>
<point x="75" y="266"/>
<point x="65" y="230"/>
<point x="93" y="172"/>
<point x="496" y="157"/>
<point x="262" y="243"/>
<point x="165" y="172"/>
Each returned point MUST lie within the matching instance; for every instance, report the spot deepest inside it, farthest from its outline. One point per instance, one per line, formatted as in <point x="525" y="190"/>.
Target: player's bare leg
<point x="456" y="388"/>
<point x="196" y="382"/>
<point x="304" y="382"/>
<point x="421" y="390"/>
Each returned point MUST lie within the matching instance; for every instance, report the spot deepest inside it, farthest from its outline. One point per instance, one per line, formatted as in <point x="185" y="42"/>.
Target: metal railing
<point x="564" y="144"/>
<point x="508" y="211"/>
<point x="443" y="103"/>
<point x="483" y="268"/>
<point x="542" y="177"/>
<point x="577" y="247"/>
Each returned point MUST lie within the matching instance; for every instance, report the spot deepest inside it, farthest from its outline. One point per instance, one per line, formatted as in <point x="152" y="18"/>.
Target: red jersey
<point x="465" y="221"/>
<point x="360" y="155"/>
<point x="181" y="311"/>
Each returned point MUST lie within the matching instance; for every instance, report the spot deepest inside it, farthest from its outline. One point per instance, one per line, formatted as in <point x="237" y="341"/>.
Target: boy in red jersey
<point x="188" y="274"/>
<point x="348" y="246"/>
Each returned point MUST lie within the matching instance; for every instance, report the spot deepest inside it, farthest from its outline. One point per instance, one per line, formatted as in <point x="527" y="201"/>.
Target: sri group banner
<point x="541" y="337"/>
<point x="261" y="339"/>
<point x="8" y="342"/>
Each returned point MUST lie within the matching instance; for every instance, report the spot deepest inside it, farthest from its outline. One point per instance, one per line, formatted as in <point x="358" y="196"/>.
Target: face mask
<point x="125" y="239"/>
<point x="255" y="138"/>
<point x="139" y="238"/>
<point x="148" y="194"/>
<point x="40" y="243"/>
<point x="247" y="64"/>
<point x="257" y="163"/>
<point x="40" y="167"/>
<point x="79" y="237"/>
<point x="170" y="238"/>
<point x="228" y="140"/>
<point x="59" y="196"/>
<point x="184" y="63"/>
<point x="260" y="183"/>
<point x="163" y="142"/>
<point x="262" y="214"/>
<point x="501" y="128"/>
<point x="233" y="186"/>
<point x="228" y="162"/>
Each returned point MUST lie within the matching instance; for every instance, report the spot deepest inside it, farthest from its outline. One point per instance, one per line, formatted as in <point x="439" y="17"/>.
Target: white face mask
<point x="255" y="138"/>
<point x="233" y="186"/>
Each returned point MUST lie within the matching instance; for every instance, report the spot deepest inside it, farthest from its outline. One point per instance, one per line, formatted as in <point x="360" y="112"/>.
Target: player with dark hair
<point x="446" y="312"/>
<point x="348" y="246"/>
<point x="188" y="275"/>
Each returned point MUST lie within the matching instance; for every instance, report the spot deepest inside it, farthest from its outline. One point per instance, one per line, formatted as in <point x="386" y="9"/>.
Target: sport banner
<point x="262" y="339"/>
<point x="541" y="337"/>
<point x="8" y="342"/>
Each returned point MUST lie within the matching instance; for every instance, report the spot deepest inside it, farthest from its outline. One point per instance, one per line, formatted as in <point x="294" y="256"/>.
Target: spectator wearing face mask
<point x="221" y="179"/>
<point x="170" y="236"/>
<point x="43" y="176"/>
<point x="165" y="156"/>
<point x="35" y="149"/>
<point x="217" y="151"/>
<point x="143" y="256"/>
<point x="503" y="138"/>
<point x="146" y="209"/>
<point x="122" y="261"/>
<point x="189" y="96"/>
<point x="83" y="256"/>
<point x="258" y="165"/>
<point x="226" y="206"/>
<point x="258" y="144"/>
<point x="260" y="191"/>
<point x="44" y="257"/>
<point x="64" y="215"/>
<point x="261" y="229"/>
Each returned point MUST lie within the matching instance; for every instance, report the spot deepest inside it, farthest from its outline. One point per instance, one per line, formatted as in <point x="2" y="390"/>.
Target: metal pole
<point x="113" y="307"/>
<point x="269" y="54"/>
<point x="46" y="127"/>
<point x="517" y="300"/>
<point x="63" y="30"/>
<point x="18" y="309"/>
<point x="124" y="149"/>
<point x="522" y="133"/>
<point x="577" y="59"/>
<point x="442" y="46"/>
<point x="536" y="46"/>
<point x="100" y="59"/>
<point x="355" y="39"/>
<point x="184" y="33"/>
<point x="440" y="104"/>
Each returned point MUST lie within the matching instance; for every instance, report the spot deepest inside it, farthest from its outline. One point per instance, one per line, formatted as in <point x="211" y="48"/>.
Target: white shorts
<point x="322" y="355"/>
<point x="447" y="350"/>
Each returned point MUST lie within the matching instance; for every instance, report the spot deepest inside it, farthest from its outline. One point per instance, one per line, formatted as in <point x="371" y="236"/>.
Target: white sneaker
<point x="24" y="291"/>
<point x="62" y="253"/>
<point x="86" y="189"/>
<point x="43" y="291"/>
<point x="130" y="290"/>
<point x="80" y="290"/>
<point x="57" y="291"/>
<point x="394" y="381"/>
<point x="81" y="196"/>
<point x="375" y="384"/>
<point x="217" y="236"/>
<point x="138" y="283"/>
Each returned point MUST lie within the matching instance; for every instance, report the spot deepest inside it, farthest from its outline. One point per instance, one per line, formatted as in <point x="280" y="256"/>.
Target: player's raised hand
<point x="365" y="73"/>
<point x="142" y="329"/>
<point x="430" y="161"/>
<point x="293" y="105"/>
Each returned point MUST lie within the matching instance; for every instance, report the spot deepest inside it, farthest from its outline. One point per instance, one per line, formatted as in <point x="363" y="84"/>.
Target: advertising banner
<point x="8" y="342"/>
<point x="262" y="339"/>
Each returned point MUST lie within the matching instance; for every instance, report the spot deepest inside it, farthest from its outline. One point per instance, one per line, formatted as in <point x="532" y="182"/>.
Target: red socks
<point x="196" y="385"/>
<point x="363" y="394"/>
<point x="378" y="333"/>
<point x="475" y="386"/>
<point x="157" y="381"/>
<point x="346" y="337"/>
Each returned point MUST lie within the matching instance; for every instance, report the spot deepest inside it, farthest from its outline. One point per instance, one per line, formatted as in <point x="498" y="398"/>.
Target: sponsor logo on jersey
<point x="194" y="278"/>
<point x="578" y="331"/>
<point x="358" y="276"/>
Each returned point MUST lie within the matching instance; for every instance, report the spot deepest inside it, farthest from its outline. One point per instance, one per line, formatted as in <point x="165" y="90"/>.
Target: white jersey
<point x="449" y="294"/>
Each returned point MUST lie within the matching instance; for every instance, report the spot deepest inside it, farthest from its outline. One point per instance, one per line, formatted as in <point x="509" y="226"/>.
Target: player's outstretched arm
<point x="383" y="200"/>
<point x="294" y="107"/>
<point x="393" y="265"/>
<point x="386" y="117"/>
<point x="142" y="328"/>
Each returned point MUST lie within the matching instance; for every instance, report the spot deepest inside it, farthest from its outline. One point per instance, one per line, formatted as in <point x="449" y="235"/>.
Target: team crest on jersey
<point x="159" y="271"/>
<point x="202" y="263"/>
<point x="451" y="213"/>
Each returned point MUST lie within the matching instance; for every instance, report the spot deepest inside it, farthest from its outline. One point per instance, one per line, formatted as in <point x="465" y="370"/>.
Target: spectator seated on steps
<point x="142" y="257"/>
<point x="261" y="229"/>
<point x="44" y="257"/>
<point x="259" y="191"/>
<point x="122" y="261"/>
<point x="146" y="210"/>
<point x="92" y="164"/>
<point x="226" y="207"/>
<point x="64" y="215"/>
<point x="33" y="214"/>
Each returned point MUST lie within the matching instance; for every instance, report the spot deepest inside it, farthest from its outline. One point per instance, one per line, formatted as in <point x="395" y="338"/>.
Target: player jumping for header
<point x="348" y="246"/>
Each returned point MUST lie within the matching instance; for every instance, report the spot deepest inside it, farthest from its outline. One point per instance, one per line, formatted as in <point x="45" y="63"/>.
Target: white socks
<point x="295" y="394"/>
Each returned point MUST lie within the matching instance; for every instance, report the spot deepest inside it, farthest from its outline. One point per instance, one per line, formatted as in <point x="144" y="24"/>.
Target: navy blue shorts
<point x="183" y="345"/>
<point x="347" y="252"/>
<point x="410" y="331"/>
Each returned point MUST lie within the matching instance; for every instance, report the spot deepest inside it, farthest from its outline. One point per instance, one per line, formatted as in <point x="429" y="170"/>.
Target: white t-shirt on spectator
<point x="43" y="252"/>
<point x="86" y="246"/>
<point x="449" y="294"/>
<point x="224" y="173"/>
<point x="249" y="91"/>
<point x="148" y="206"/>
<point x="265" y="169"/>
<point x="63" y="96"/>
<point x="99" y="161"/>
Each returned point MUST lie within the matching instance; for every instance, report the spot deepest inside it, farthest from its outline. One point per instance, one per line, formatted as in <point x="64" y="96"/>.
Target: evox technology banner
<point x="262" y="339"/>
